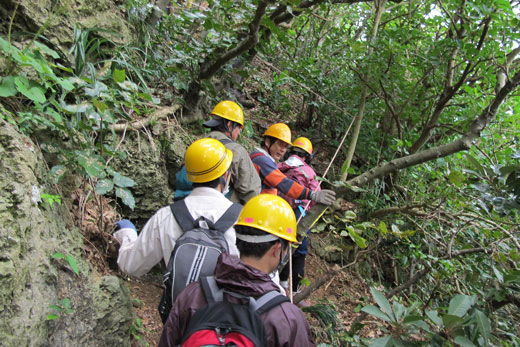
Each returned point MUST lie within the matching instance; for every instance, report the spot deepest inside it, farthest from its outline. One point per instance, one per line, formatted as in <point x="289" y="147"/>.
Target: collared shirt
<point x="138" y="254"/>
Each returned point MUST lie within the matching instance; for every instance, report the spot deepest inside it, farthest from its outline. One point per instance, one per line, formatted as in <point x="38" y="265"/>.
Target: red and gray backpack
<point x="221" y="323"/>
<point x="195" y="253"/>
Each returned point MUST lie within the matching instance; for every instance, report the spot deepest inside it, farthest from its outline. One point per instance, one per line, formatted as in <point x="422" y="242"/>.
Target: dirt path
<point x="146" y="293"/>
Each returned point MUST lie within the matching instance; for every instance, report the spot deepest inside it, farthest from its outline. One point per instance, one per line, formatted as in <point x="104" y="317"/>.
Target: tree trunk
<point x="380" y="8"/>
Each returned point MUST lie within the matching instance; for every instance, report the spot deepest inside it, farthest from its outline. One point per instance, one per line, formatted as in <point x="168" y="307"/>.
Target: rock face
<point x="152" y="163"/>
<point x="31" y="232"/>
<point x="56" y="19"/>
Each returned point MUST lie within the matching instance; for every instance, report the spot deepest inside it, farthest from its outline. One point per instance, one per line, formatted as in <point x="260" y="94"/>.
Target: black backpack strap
<point x="182" y="215"/>
<point x="229" y="217"/>
<point x="270" y="300"/>
<point x="225" y="141"/>
<point x="211" y="291"/>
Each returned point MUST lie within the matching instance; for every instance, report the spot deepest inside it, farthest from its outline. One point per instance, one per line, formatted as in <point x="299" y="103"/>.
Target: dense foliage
<point x="433" y="83"/>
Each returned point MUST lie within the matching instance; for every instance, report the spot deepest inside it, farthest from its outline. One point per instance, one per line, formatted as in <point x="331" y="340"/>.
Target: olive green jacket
<point x="245" y="182"/>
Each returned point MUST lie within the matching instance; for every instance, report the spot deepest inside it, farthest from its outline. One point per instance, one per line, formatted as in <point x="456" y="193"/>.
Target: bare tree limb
<point x="449" y="91"/>
<point x="209" y="69"/>
<point x="463" y="143"/>
<point x="141" y="123"/>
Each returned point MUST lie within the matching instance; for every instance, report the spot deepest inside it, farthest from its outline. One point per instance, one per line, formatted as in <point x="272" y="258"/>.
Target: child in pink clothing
<point x="297" y="168"/>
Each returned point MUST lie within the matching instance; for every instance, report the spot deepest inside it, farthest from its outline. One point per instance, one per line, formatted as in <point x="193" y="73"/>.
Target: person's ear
<point x="277" y="249"/>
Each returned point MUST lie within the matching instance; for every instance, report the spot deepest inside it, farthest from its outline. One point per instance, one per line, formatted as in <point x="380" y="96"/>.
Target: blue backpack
<point x="183" y="186"/>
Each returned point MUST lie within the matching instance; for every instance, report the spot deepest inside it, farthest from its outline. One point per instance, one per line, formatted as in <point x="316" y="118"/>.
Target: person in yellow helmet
<point x="297" y="167"/>
<point x="226" y="125"/>
<point x="265" y="228"/>
<point x="207" y="164"/>
<point x="273" y="147"/>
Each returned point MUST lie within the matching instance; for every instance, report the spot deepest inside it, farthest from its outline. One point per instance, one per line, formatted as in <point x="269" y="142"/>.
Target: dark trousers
<point x="298" y="263"/>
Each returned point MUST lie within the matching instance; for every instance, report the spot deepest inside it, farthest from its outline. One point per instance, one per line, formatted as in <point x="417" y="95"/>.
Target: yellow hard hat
<point x="281" y="131"/>
<point x="207" y="160"/>
<point x="303" y="143"/>
<point x="271" y="214"/>
<point x="229" y="110"/>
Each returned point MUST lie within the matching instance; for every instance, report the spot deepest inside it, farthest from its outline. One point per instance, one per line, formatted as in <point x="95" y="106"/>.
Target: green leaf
<point x="72" y="263"/>
<point x="65" y="302"/>
<point x="7" y="88"/>
<point x="65" y="84"/>
<point x="385" y="341"/>
<point x="91" y="165"/>
<point x="123" y="181"/>
<point x="503" y="4"/>
<point x="30" y="89"/>
<point x="460" y="304"/>
<point x="360" y="241"/>
<point x="382" y="302"/>
<point x="451" y="322"/>
<point x="58" y="255"/>
<point x="52" y="316"/>
<point x="119" y="75"/>
<point x="464" y="341"/>
<point x="350" y="215"/>
<point x="46" y="49"/>
<point x="126" y="196"/>
<point x="498" y="275"/>
<point x="475" y="164"/>
<point x="56" y="307"/>
<point x="100" y="105"/>
<point x="434" y="316"/>
<point x="57" y="172"/>
<point x="383" y="228"/>
<point x="456" y="177"/>
<point x="51" y="112"/>
<point x="104" y="186"/>
<point x="376" y="312"/>
<point x="484" y="326"/>
<point x="76" y="108"/>
<point x="399" y="310"/>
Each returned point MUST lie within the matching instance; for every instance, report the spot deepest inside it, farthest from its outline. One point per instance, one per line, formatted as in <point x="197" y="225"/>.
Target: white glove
<point x="325" y="196"/>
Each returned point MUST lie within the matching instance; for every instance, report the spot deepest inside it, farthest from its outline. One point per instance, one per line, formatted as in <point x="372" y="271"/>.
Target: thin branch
<point x="141" y="123"/>
<point x="209" y="69"/>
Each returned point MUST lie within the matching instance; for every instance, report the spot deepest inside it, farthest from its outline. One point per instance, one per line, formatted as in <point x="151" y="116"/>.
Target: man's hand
<point x="325" y="196"/>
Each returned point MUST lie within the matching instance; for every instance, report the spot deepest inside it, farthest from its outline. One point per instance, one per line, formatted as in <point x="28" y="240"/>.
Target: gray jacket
<point x="245" y="182"/>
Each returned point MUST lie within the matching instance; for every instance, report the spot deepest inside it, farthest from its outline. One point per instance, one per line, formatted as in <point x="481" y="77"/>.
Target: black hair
<point x="222" y="126"/>
<point x="272" y="140"/>
<point x="256" y="250"/>
<point x="301" y="153"/>
<point x="211" y="184"/>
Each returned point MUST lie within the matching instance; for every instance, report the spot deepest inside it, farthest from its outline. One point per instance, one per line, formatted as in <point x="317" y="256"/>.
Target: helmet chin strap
<point x="271" y="143"/>
<point x="285" y="259"/>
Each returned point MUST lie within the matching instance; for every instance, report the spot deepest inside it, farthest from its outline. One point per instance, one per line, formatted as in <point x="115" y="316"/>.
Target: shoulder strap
<point x="225" y="141"/>
<point x="182" y="215"/>
<point x="228" y="219"/>
<point x="213" y="294"/>
<point x="211" y="291"/>
<point x="270" y="300"/>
